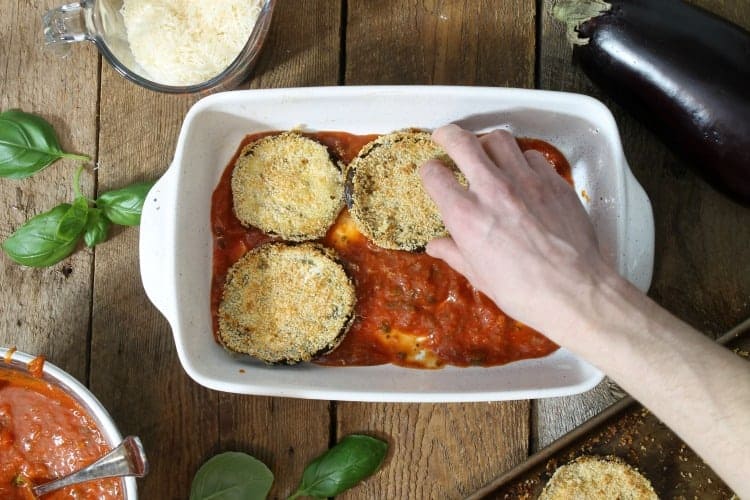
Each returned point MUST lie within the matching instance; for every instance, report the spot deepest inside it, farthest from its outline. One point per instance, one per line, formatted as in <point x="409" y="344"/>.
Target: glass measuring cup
<point x="100" y="22"/>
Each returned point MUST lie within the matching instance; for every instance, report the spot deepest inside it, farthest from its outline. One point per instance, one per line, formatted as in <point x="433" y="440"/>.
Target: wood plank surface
<point x="134" y="366"/>
<point x="702" y="264"/>
<point x="46" y="311"/>
<point x="442" y="42"/>
<point x="446" y="450"/>
<point x="438" y="450"/>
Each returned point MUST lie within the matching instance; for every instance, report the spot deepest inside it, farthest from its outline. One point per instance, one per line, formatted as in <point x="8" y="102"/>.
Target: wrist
<point x="620" y="329"/>
<point x="601" y="312"/>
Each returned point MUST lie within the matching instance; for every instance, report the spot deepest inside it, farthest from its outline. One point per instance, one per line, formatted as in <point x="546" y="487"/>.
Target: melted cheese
<point x="412" y="348"/>
<point x="344" y="232"/>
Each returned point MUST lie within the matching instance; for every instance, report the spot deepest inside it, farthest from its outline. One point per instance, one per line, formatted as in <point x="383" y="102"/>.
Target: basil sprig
<point x="124" y="206"/>
<point x="97" y="228"/>
<point x="48" y="238"/>
<point x="28" y="144"/>
<point x="238" y="476"/>
<point x="73" y="221"/>
<point x="39" y="243"/>
<point x="232" y="476"/>
<point x="355" y="458"/>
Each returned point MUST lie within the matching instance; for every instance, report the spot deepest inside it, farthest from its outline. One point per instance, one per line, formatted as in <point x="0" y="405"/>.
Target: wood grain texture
<point x="449" y="450"/>
<point x="303" y="46"/>
<point x="438" y="450"/>
<point x="446" y="42"/>
<point x="702" y="263"/>
<point x="302" y="50"/>
<point x="554" y="417"/>
<point x="46" y="311"/>
<point x="134" y="366"/>
<point x="735" y="11"/>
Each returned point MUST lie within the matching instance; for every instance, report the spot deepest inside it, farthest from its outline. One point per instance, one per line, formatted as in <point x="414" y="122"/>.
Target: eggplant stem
<point x="576" y="12"/>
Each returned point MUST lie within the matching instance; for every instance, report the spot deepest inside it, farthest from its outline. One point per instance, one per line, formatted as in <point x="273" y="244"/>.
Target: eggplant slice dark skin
<point x="681" y="70"/>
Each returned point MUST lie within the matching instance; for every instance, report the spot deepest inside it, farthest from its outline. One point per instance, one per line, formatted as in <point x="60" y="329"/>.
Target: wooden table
<point x="89" y="315"/>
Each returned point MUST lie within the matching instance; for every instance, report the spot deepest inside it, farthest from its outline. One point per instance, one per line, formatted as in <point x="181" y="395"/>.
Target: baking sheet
<point x="629" y="431"/>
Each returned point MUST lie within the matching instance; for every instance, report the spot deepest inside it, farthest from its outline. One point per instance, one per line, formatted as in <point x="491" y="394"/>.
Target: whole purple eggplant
<point x="682" y="71"/>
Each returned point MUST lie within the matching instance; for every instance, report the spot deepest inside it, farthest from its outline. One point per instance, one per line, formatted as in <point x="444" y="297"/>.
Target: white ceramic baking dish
<point x="176" y="246"/>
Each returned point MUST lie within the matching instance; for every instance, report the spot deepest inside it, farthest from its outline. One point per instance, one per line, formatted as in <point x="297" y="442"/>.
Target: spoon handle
<point x="128" y="459"/>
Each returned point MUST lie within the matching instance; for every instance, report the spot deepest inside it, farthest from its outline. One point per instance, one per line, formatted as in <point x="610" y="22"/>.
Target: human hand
<point x="518" y="233"/>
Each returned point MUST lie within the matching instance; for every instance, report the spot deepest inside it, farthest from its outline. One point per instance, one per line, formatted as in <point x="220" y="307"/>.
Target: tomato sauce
<point x="46" y="434"/>
<point x="412" y="310"/>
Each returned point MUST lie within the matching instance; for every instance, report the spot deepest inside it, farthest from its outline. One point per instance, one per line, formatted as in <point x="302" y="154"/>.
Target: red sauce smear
<point x="46" y="434"/>
<point x="412" y="310"/>
<point x="9" y="355"/>
<point x="36" y="367"/>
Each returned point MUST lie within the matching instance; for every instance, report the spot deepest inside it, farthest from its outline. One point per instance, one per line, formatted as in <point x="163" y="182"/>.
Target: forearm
<point x="699" y="389"/>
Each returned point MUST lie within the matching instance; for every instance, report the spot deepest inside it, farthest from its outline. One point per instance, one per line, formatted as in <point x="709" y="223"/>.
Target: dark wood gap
<point x="538" y="34"/>
<point x="342" y="42"/>
<point x="533" y="427"/>
<point x="90" y="329"/>
<point x="332" y="405"/>
<point x="538" y="25"/>
<point x="333" y="424"/>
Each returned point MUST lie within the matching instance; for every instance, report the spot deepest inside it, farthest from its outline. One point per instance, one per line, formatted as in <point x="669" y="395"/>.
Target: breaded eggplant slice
<point x="385" y="195"/>
<point x="287" y="185"/>
<point x="286" y="303"/>
<point x="598" y="478"/>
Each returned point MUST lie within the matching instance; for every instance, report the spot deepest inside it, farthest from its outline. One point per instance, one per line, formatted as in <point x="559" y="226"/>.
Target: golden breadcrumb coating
<point x="287" y="185"/>
<point x="598" y="478"/>
<point x="286" y="303"/>
<point x="387" y="200"/>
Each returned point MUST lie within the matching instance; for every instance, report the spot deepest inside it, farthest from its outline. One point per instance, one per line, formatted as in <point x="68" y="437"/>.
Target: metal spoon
<point x="128" y="459"/>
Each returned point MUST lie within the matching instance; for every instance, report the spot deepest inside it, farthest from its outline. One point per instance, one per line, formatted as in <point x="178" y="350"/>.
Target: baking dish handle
<point x="157" y="241"/>
<point x="638" y="244"/>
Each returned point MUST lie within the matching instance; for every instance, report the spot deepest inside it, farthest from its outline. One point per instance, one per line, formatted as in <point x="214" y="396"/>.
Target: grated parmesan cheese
<point x="186" y="42"/>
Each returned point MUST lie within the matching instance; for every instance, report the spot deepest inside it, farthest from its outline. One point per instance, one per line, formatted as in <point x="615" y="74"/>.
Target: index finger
<point x="450" y="197"/>
<point x="467" y="152"/>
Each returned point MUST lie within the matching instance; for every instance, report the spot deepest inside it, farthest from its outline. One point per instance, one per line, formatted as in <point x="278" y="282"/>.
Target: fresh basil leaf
<point x="123" y="206"/>
<point x="355" y="458"/>
<point x="37" y="243"/>
<point x="97" y="228"/>
<point x="232" y="476"/>
<point x="28" y="144"/>
<point x="73" y="222"/>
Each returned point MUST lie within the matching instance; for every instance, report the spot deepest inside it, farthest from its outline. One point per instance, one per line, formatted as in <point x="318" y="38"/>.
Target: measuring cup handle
<point x="67" y="24"/>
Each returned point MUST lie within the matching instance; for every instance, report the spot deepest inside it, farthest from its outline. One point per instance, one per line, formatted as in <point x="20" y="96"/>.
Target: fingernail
<point x="443" y="130"/>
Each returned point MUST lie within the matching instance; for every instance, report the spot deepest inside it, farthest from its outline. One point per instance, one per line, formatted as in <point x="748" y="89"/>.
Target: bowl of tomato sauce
<point x="50" y="426"/>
